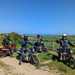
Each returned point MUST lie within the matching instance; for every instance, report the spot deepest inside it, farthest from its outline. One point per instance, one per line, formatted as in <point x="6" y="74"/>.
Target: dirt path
<point x="24" y="69"/>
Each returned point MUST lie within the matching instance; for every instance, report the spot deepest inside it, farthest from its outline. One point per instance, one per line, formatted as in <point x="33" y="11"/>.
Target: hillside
<point x="9" y="65"/>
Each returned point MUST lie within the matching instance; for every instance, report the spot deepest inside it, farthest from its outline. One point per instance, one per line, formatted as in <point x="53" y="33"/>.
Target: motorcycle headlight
<point x="71" y="51"/>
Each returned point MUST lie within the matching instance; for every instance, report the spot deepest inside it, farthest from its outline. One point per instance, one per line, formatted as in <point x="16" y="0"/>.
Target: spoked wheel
<point x="72" y="63"/>
<point x="21" y="59"/>
<point x="33" y="60"/>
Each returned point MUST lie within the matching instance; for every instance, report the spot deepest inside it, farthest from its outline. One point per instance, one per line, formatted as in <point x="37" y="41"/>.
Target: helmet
<point x="38" y="36"/>
<point x="64" y="35"/>
<point x="25" y="37"/>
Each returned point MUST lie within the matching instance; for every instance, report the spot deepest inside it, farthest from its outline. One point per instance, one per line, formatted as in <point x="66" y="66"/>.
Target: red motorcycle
<point x="7" y="50"/>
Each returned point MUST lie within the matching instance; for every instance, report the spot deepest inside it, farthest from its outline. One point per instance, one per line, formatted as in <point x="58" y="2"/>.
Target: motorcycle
<point x="28" y="55"/>
<point x="66" y="58"/>
<point x="33" y="59"/>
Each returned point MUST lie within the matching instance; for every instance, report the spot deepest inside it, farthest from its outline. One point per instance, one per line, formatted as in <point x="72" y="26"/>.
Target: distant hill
<point x="15" y="36"/>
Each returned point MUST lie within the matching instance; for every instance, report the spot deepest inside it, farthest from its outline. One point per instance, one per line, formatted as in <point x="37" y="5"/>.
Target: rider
<point x="64" y="44"/>
<point x="6" y="41"/>
<point x="25" y="42"/>
<point x="39" y="43"/>
<point x="24" y="47"/>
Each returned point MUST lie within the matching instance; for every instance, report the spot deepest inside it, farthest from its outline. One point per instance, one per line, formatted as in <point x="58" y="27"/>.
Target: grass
<point x="44" y="56"/>
<point x="60" y="67"/>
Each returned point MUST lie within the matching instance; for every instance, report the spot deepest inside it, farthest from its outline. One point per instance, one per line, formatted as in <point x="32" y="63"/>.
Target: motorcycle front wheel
<point x="72" y="63"/>
<point x="33" y="60"/>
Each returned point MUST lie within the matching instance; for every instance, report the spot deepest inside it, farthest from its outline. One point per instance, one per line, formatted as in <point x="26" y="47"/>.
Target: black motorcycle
<point x="28" y="56"/>
<point x="66" y="58"/>
<point x="33" y="58"/>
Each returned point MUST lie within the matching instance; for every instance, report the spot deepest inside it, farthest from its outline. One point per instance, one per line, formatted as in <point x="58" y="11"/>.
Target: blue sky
<point x="37" y="16"/>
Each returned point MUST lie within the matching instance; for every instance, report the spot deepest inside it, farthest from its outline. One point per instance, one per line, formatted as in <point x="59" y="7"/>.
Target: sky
<point x="37" y="16"/>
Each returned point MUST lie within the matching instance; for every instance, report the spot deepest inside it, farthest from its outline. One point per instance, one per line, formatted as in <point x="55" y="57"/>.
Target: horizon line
<point x="21" y="33"/>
